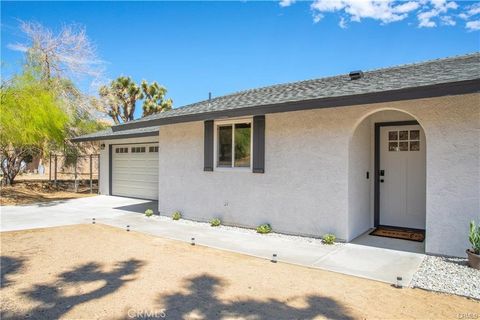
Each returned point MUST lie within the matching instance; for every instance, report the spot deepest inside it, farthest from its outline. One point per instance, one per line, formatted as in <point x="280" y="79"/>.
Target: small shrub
<point x="177" y="215"/>
<point x="329" y="238"/>
<point x="215" y="222"/>
<point x="149" y="212"/>
<point x="264" y="228"/>
<point x="474" y="237"/>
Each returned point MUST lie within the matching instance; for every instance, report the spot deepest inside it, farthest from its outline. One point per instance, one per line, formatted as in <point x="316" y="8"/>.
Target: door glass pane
<point x="414" y="145"/>
<point x="393" y="135"/>
<point x="403" y="135"/>
<point x="414" y="134"/>
<point x="242" y="144"/>
<point x="224" y="146"/>
<point x="393" y="146"/>
<point x="403" y="146"/>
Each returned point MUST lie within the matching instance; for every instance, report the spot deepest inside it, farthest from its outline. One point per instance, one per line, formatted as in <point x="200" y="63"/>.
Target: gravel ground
<point x="450" y="275"/>
<point x="299" y="239"/>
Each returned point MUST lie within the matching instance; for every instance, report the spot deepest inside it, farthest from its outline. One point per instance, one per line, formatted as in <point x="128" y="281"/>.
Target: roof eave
<point x="429" y="91"/>
<point x="114" y="137"/>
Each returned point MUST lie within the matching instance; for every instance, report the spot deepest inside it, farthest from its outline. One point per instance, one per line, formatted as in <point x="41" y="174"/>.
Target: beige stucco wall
<point x="305" y="187"/>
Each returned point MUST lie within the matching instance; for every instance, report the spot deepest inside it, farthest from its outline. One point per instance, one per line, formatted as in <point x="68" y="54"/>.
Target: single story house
<point x="398" y="146"/>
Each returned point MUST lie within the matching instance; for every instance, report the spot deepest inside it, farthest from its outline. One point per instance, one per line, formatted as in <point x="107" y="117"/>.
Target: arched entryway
<point x="387" y="173"/>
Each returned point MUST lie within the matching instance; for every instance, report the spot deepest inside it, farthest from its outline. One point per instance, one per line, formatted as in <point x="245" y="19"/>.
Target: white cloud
<point x="471" y="11"/>
<point x="438" y="9"/>
<point x="407" y="7"/>
<point x="317" y="17"/>
<point x="17" y="47"/>
<point x="286" y="3"/>
<point x="383" y="10"/>
<point x="429" y="13"/>
<point x="474" y="9"/>
<point x="447" y="21"/>
<point x="473" y="25"/>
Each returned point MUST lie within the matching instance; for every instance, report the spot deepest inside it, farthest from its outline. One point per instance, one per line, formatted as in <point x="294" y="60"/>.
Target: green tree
<point x="154" y="98"/>
<point x="31" y="118"/>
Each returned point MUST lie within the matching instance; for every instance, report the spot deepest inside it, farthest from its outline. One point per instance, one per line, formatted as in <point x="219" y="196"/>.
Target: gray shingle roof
<point x="433" y="72"/>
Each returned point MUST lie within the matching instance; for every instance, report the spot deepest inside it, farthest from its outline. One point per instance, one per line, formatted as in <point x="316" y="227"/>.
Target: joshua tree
<point x="118" y="99"/>
<point x="154" y="98"/>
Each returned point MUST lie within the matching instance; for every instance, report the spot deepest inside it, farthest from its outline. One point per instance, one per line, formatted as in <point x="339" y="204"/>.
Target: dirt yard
<point x="100" y="272"/>
<point x="28" y="192"/>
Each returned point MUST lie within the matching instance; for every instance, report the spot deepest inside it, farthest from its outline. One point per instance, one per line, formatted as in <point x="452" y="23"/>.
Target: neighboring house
<point x="398" y="146"/>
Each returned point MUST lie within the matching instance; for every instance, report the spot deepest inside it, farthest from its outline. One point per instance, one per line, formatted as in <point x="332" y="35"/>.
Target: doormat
<point x="399" y="233"/>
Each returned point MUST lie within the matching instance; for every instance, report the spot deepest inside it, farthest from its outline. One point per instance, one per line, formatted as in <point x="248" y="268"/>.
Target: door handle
<point x="381" y="180"/>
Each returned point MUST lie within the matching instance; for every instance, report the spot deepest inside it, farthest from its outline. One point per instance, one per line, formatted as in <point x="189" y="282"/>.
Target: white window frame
<point x="232" y="122"/>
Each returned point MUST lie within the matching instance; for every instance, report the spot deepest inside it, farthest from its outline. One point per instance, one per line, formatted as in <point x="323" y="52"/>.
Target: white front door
<point x="135" y="170"/>
<point x="402" y="176"/>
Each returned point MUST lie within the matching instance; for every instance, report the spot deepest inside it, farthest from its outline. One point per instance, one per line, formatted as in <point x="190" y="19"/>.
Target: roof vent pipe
<point x="209" y="96"/>
<point x="355" y="75"/>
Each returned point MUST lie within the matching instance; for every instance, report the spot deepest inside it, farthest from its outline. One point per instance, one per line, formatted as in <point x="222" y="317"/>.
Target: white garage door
<point x="135" y="170"/>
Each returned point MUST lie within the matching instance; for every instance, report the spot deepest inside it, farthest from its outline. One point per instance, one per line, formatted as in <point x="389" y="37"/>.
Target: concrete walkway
<point x="354" y="259"/>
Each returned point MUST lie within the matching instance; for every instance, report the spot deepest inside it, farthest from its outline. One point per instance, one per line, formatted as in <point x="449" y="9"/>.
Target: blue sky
<point x="193" y="48"/>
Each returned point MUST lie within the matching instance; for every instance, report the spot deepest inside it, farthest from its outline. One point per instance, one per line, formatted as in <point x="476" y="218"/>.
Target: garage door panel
<point x="133" y="170"/>
<point x="137" y="180"/>
<point x="135" y="174"/>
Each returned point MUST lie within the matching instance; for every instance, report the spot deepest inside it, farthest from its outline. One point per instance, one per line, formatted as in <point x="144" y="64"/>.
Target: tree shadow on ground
<point x="53" y="301"/>
<point x="202" y="302"/>
<point x="8" y="266"/>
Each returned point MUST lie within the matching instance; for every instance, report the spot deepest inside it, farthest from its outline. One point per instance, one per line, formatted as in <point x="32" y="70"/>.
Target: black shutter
<point x="208" y="146"/>
<point x="259" y="144"/>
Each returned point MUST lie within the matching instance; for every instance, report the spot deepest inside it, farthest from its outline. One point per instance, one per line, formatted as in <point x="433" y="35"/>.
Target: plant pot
<point x="473" y="260"/>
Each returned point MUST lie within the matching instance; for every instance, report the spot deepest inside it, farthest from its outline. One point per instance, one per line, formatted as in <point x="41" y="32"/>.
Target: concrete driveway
<point x="354" y="259"/>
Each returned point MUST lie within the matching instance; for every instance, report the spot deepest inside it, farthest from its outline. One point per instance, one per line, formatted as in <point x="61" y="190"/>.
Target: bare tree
<point x="67" y="54"/>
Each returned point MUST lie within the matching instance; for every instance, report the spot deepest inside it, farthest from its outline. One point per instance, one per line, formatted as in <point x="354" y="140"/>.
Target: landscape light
<point x="399" y="282"/>
<point x="274" y="258"/>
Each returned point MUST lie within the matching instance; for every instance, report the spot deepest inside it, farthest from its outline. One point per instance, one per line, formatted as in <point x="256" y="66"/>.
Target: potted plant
<point x="474" y="253"/>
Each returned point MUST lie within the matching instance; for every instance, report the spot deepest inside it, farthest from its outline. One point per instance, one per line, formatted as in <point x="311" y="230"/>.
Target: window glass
<point x="242" y="144"/>
<point x="224" y="146"/>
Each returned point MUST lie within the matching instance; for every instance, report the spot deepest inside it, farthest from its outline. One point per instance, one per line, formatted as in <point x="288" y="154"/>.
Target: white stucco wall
<point x="310" y="182"/>
<point x="294" y="196"/>
<point x="305" y="188"/>
<point x="104" y="160"/>
<point x="360" y="161"/>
